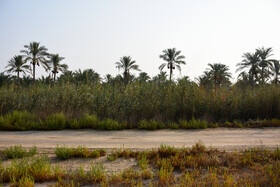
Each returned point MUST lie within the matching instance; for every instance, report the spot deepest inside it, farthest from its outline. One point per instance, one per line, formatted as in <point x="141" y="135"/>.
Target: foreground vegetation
<point x="26" y="121"/>
<point x="195" y="166"/>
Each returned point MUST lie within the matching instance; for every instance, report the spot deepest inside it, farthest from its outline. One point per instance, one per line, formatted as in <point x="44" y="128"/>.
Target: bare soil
<point x="228" y="139"/>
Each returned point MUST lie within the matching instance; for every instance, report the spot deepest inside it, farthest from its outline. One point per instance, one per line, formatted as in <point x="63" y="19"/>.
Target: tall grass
<point x="147" y="101"/>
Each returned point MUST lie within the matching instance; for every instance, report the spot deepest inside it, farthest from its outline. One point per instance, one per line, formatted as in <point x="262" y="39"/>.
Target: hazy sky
<point x="96" y="33"/>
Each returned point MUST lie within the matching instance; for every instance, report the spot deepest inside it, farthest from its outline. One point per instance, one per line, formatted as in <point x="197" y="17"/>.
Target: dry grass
<point x="195" y="166"/>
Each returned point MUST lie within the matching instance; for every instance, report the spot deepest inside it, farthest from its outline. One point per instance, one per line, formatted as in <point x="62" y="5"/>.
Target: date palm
<point x="173" y="59"/>
<point x="251" y="61"/>
<point x="55" y="65"/>
<point x="275" y="70"/>
<point x="143" y="77"/>
<point x="36" y="55"/>
<point x="17" y="65"/>
<point x="264" y="63"/>
<point x="219" y="73"/>
<point x="205" y="80"/>
<point x="86" y="76"/>
<point x="4" y="79"/>
<point x="126" y="64"/>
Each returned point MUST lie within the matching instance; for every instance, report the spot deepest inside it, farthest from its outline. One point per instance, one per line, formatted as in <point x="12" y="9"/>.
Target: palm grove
<point x="127" y="98"/>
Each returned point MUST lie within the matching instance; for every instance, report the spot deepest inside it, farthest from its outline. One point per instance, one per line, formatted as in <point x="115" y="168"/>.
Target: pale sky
<point x="96" y="33"/>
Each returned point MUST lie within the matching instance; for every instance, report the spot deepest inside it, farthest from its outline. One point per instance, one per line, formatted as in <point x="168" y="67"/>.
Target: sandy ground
<point x="222" y="138"/>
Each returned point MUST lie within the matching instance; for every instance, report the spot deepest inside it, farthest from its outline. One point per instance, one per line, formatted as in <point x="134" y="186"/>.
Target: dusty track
<point x="222" y="138"/>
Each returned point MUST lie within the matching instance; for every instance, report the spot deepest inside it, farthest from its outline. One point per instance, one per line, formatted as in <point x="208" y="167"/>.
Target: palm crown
<point x="16" y="64"/>
<point x="219" y="73"/>
<point x="127" y="64"/>
<point x="173" y="59"/>
<point x="36" y="55"/>
<point x="264" y="62"/>
<point x="251" y="61"/>
<point x="55" y="65"/>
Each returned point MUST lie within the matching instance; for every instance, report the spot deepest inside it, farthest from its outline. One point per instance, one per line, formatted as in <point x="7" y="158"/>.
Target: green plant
<point x="97" y="173"/>
<point x="19" y="120"/>
<point x="88" y="121"/>
<point x="55" y="122"/>
<point x="63" y="152"/>
<point x="18" y="151"/>
<point x="143" y="162"/>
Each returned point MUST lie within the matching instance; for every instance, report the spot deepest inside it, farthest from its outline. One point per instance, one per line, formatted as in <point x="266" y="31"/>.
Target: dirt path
<point x="223" y="138"/>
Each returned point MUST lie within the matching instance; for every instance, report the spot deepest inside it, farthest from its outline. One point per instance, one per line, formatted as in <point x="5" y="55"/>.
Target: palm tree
<point x="66" y="77"/>
<point x="264" y="62"/>
<point x="251" y="61"/>
<point x="4" y="79"/>
<point x="160" y="78"/>
<point x="205" y="80"/>
<point x="26" y="80"/>
<point x="55" y="65"/>
<point x="36" y="55"/>
<point x="16" y="64"/>
<point x="173" y="59"/>
<point x="86" y="76"/>
<point x="219" y="73"/>
<point x="275" y="69"/>
<point x="143" y="77"/>
<point x="127" y="64"/>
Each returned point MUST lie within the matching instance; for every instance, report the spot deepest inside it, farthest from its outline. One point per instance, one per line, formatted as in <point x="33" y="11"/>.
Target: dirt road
<point x="223" y="138"/>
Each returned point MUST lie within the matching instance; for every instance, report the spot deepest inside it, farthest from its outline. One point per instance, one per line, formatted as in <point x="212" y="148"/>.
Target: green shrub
<point x="97" y="173"/>
<point x="110" y="124"/>
<point x="74" y="124"/>
<point x="63" y="152"/>
<point x="32" y="151"/>
<point x="88" y="121"/>
<point x="15" y="152"/>
<point x="150" y="125"/>
<point x="81" y="152"/>
<point x="95" y="154"/>
<point x="55" y="122"/>
<point x="193" y="124"/>
<point x="18" y="120"/>
<point x="18" y="151"/>
<point x="172" y="125"/>
<point x="183" y="124"/>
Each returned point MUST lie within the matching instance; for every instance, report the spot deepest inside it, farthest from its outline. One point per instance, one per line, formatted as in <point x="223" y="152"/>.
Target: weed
<point x="143" y="162"/>
<point x="55" y="122"/>
<point x="63" y="152"/>
<point x="18" y="151"/>
<point x="146" y="174"/>
<point x="97" y="173"/>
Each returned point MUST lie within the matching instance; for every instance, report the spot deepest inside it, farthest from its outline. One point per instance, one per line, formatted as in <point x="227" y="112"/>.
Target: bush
<point x="183" y="124"/>
<point x="74" y="124"/>
<point x="55" y="122"/>
<point x="193" y="124"/>
<point x="18" y="120"/>
<point x="63" y="152"/>
<point x="172" y="125"/>
<point x="110" y="124"/>
<point x="88" y="121"/>
<point x="150" y="125"/>
<point x="18" y="151"/>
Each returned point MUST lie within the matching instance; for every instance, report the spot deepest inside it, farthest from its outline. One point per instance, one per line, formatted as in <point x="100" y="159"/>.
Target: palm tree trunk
<point x="54" y="76"/>
<point x="125" y="78"/>
<point x="262" y="75"/>
<point x="34" y="65"/>
<point x="171" y="68"/>
<point x="215" y="85"/>
<point x="18" y="77"/>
